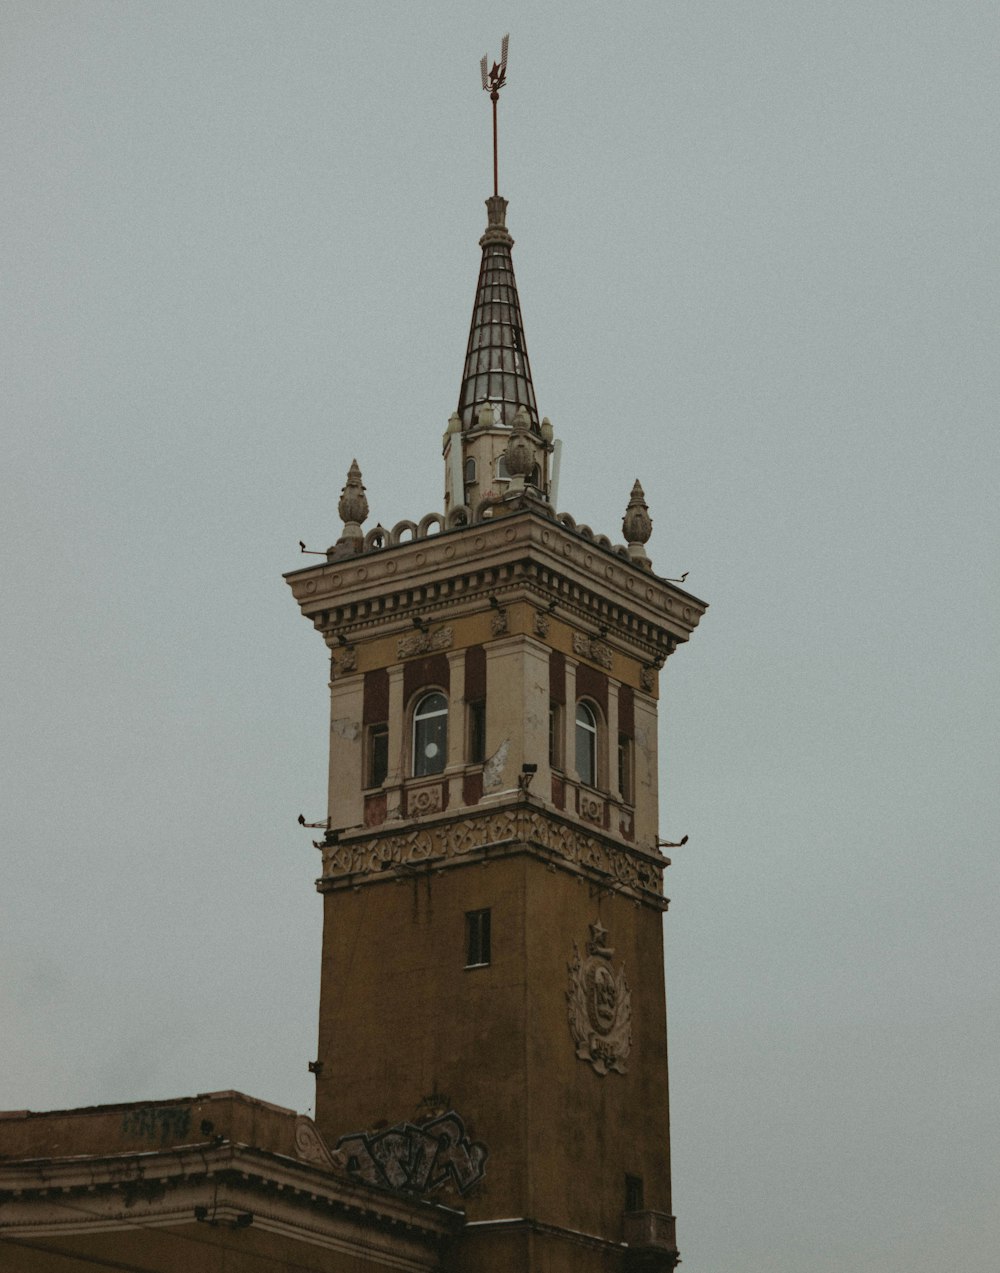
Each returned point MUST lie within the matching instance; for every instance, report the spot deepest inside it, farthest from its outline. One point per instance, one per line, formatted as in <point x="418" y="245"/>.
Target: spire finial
<point x="493" y="81"/>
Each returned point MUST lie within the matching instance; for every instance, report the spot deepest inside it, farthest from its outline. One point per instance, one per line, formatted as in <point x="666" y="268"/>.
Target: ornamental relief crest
<point x="409" y="647"/>
<point x="600" y="1005"/>
<point x="592" y="648"/>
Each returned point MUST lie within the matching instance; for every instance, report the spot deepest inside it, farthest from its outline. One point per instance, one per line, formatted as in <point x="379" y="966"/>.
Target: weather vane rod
<point x="493" y="82"/>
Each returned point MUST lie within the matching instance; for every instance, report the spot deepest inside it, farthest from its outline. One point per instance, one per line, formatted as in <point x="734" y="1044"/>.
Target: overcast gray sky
<point x="757" y="258"/>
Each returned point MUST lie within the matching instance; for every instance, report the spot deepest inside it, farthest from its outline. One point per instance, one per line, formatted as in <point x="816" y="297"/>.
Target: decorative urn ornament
<point x="520" y="452"/>
<point x="637" y="526"/>
<point x="353" y="509"/>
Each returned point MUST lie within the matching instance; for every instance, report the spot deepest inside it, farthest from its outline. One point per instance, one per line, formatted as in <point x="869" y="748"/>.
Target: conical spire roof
<point x="497" y="370"/>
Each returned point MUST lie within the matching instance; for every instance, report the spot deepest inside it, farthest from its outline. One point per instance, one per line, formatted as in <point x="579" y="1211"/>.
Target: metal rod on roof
<point x="495" y="97"/>
<point x="493" y="81"/>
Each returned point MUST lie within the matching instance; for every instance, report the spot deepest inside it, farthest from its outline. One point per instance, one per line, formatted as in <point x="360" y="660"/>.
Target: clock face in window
<point x="430" y="734"/>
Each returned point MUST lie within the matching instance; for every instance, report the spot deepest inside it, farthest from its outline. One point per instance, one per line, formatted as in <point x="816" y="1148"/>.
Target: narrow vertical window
<point x="378" y="754"/>
<point x="477" y="938"/>
<point x="633" y="1193"/>
<point x="586" y="745"/>
<point x="625" y="767"/>
<point x="430" y="734"/>
<point x="477" y="732"/>
<point x="470" y="470"/>
<point x="555" y="735"/>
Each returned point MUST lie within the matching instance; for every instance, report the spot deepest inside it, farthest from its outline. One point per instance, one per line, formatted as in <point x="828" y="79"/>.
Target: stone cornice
<point x="399" y="851"/>
<point x="522" y="555"/>
<point x="524" y="1225"/>
<point x="51" y="1197"/>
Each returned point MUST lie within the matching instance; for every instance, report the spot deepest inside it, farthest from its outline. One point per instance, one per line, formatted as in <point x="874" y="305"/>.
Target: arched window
<point x="430" y="734"/>
<point x="470" y="469"/>
<point x="503" y="473"/>
<point x="586" y="745"/>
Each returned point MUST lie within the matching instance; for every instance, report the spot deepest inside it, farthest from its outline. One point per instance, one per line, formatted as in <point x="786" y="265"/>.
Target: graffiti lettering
<point x="417" y="1159"/>
<point x="456" y="1157"/>
<point x="158" y="1123"/>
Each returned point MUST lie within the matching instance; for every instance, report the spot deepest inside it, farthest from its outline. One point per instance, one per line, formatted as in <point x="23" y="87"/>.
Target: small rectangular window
<point x="477" y="938"/>
<point x="378" y="754"/>
<point x="625" y="767"/>
<point x="477" y="732"/>
<point x="633" y="1193"/>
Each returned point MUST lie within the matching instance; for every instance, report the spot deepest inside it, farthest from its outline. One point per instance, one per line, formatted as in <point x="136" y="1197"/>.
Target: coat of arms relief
<point x="600" y="1005"/>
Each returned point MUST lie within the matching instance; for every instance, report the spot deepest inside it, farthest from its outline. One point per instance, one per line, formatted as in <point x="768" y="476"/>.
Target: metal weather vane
<point x="493" y="81"/>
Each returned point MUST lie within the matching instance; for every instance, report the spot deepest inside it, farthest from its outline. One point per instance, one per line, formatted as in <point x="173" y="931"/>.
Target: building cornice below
<point x="524" y="1225"/>
<point x="52" y="1197"/>
<point x="659" y="1253"/>
<point x="399" y="851"/>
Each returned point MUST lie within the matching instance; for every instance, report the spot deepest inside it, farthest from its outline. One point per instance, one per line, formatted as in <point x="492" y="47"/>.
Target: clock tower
<point x="492" y="1027"/>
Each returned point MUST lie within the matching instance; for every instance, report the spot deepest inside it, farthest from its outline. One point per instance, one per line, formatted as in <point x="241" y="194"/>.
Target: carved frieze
<point x="415" y="643"/>
<point x="498" y="623"/>
<point x="599" y="1005"/>
<point x="647" y="679"/>
<point x="449" y="840"/>
<point x="541" y="624"/>
<point x="591" y="648"/>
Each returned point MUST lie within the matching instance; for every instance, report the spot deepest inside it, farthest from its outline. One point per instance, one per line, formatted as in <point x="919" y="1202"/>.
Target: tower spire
<point x="497" y="371"/>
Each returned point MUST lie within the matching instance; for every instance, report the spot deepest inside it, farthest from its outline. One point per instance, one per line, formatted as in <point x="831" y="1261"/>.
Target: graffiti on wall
<point x="159" y="1123"/>
<point x="416" y="1158"/>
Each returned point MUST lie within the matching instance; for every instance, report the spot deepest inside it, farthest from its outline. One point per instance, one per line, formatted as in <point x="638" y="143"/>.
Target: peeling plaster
<point x="494" y="767"/>
<point x="344" y="727"/>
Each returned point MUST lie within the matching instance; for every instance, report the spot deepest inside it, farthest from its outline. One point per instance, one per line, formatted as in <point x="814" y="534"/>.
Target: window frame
<point x="417" y="720"/>
<point x="479" y="938"/>
<point x="626" y="768"/>
<point x="594" y="731"/>
<point x="557" y="742"/>
<point x="634" y="1193"/>
<point x="476" y="749"/>
<point x="378" y="730"/>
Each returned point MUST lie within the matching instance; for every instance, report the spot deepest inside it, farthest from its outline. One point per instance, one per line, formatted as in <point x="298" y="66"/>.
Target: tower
<point x="492" y="1013"/>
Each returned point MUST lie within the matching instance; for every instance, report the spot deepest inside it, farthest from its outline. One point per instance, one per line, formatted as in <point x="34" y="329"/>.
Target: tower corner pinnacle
<point x="353" y="509"/>
<point x="637" y="526"/>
